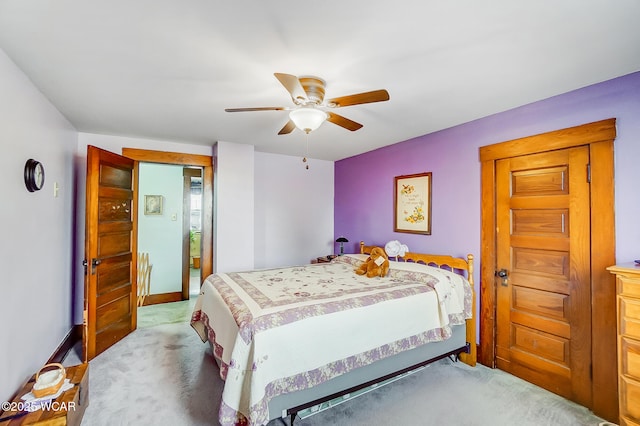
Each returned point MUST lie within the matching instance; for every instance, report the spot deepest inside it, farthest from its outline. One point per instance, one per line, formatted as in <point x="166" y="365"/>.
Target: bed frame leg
<point x="467" y="349"/>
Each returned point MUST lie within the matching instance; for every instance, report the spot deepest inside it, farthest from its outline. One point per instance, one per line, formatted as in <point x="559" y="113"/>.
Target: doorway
<point x="191" y="226"/>
<point x="160" y="232"/>
<point x="112" y="187"/>
<point x="205" y="164"/>
<point x="514" y="231"/>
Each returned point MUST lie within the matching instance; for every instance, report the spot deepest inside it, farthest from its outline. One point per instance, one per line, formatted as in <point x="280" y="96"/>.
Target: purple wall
<point x="364" y="183"/>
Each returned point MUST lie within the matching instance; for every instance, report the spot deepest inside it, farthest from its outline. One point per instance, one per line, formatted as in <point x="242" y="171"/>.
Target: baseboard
<point x="73" y="336"/>
<point x="154" y="299"/>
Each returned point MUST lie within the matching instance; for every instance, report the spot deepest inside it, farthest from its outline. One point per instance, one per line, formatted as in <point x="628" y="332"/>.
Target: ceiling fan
<point x="307" y="93"/>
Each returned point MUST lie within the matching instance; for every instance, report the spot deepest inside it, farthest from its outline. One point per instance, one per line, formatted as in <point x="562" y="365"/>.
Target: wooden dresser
<point x="628" y="310"/>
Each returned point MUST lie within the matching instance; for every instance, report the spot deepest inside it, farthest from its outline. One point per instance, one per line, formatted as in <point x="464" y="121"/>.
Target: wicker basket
<point x="49" y="382"/>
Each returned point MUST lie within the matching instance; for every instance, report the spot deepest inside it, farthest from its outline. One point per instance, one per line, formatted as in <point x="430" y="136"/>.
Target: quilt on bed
<point x="281" y="330"/>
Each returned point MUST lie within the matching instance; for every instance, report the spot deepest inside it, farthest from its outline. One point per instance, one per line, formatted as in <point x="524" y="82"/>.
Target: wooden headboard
<point x="442" y="261"/>
<point x="437" y="260"/>
<point x="366" y="249"/>
<point x="453" y="263"/>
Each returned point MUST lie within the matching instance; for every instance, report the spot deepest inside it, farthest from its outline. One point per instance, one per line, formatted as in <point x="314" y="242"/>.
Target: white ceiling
<point x="166" y="69"/>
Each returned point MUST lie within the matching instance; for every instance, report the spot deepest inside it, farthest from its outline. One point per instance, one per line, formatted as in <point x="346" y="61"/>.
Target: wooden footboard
<point x="456" y="264"/>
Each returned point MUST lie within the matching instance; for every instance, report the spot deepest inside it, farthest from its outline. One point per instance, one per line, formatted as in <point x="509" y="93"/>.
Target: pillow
<point x="358" y="256"/>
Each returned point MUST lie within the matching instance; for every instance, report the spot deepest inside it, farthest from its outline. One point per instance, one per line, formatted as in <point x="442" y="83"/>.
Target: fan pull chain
<point x="304" y="159"/>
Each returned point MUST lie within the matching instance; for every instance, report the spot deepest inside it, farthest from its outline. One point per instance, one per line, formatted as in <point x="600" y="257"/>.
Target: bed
<point x="286" y="339"/>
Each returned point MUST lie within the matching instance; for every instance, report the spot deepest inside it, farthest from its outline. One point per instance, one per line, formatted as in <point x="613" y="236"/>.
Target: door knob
<point x="502" y="273"/>
<point x="94" y="265"/>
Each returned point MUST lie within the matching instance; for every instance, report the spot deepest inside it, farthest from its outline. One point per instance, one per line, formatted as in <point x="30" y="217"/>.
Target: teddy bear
<point x="376" y="265"/>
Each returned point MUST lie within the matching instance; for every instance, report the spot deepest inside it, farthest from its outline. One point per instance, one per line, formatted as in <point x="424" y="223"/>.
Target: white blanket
<point x="281" y="330"/>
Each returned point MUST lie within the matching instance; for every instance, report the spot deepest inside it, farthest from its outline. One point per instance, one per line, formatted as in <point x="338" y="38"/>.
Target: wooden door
<point x="543" y="327"/>
<point x="110" y="245"/>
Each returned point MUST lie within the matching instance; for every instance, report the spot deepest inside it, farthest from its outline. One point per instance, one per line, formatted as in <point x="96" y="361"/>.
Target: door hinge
<point x="589" y="173"/>
<point x="591" y="371"/>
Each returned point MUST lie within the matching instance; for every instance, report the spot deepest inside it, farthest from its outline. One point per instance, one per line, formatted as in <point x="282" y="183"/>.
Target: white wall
<point x="233" y="207"/>
<point x="36" y="229"/>
<point x="161" y="235"/>
<point x="43" y="282"/>
<point x="293" y="210"/>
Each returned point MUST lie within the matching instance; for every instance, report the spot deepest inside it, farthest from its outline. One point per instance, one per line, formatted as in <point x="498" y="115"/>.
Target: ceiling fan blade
<point x="256" y="109"/>
<point x="288" y="128"/>
<point x="359" y="98"/>
<point x="293" y="86"/>
<point x="343" y="121"/>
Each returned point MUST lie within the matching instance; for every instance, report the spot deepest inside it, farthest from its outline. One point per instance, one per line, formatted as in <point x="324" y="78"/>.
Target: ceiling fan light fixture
<point x="308" y="119"/>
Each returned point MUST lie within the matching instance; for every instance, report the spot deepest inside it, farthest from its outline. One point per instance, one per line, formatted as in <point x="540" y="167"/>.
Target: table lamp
<point x="342" y="240"/>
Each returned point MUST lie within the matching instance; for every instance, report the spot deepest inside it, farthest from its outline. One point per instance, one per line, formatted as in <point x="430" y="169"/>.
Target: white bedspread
<point x="281" y="330"/>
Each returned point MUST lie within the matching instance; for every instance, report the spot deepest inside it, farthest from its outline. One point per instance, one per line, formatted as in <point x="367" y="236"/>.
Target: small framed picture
<point x="153" y="204"/>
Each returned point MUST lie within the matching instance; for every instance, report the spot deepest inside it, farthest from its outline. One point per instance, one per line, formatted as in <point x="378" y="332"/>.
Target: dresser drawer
<point x="630" y="357"/>
<point x="625" y="421"/>
<point x="630" y="398"/>
<point x="629" y="317"/>
<point x="629" y="287"/>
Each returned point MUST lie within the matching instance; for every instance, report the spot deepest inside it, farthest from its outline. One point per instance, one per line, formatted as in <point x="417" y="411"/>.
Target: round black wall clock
<point x="33" y="175"/>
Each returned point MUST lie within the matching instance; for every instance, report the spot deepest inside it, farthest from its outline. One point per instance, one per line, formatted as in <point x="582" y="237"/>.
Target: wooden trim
<point x="206" y="235"/>
<point x="134" y="248"/>
<point x="70" y="340"/>
<point x="599" y="136"/>
<point x="155" y="299"/>
<point x="487" y="267"/>
<point x="150" y="156"/>
<point x="603" y="287"/>
<point x="186" y="236"/>
<point x="586" y="134"/>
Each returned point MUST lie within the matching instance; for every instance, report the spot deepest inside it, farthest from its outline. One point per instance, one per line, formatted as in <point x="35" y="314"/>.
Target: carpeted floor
<point x="164" y="375"/>
<point x="165" y="313"/>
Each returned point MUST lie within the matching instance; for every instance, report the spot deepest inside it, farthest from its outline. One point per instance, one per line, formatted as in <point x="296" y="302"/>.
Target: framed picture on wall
<point x="153" y="204"/>
<point x="412" y="204"/>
